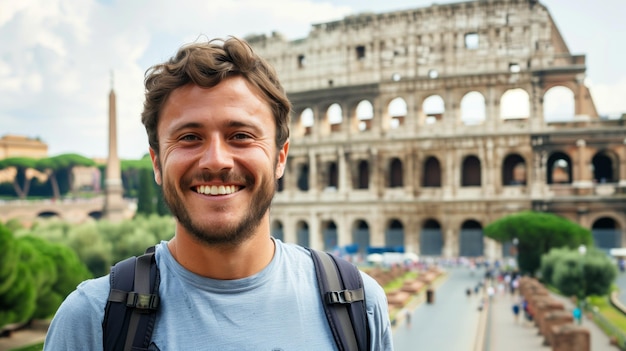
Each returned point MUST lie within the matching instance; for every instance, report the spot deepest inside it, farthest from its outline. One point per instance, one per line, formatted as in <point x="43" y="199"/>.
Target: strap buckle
<point x="143" y="302"/>
<point x="344" y="296"/>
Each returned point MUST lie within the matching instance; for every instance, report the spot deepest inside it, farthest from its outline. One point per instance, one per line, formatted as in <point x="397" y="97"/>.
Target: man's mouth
<point x="217" y="189"/>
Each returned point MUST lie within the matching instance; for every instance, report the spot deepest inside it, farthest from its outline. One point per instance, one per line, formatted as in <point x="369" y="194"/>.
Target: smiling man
<point x="217" y="121"/>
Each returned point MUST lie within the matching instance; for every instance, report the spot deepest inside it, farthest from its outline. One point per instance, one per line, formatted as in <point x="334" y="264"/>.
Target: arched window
<point x="433" y="108"/>
<point x="363" y="175"/>
<point x="395" y="174"/>
<point x="473" y="108"/>
<point x="397" y="112"/>
<point x="515" y="104"/>
<point x="470" y="172"/>
<point x="335" y="117"/>
<point x="303" y="177"/>
<point x="558" y="104"/>
<point x="431" y="173"/>
<point x="333" y="175"/>
<point x="364" y="115"/>
<point x="514" y="170"/>
<point x="559" y="169"/>
<point x="307" y="121"/>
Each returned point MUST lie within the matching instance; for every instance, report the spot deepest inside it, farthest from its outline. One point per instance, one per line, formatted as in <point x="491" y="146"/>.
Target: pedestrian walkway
<point x="504" y="333"/>
<point x="33" y="335"/>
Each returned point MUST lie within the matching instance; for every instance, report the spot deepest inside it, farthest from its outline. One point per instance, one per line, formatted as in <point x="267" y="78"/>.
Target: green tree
<point x="537" y="233"/>
<point x="131" y="174"/>
<point x="21" y="181"/>
<point x="17" y="289"/>
<point x="59" y="170"/>
<point x="35" y="276"/>
<point x="582" y="275"/>
<point x="146" y="196"/>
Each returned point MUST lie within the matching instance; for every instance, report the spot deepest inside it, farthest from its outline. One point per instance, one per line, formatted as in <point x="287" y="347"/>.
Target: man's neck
<point x="225" y="262"/>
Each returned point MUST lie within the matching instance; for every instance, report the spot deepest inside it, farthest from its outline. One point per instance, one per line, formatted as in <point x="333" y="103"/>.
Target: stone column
<point x="113" y="202"/>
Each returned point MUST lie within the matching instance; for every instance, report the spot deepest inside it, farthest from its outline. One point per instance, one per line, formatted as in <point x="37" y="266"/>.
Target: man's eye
<point x="189" y="137"/>
<point x="241" y="136"/>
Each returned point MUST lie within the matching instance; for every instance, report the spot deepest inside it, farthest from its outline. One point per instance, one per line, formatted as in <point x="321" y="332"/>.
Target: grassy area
<point x="616" y="317"/>
<point x="398" y="282"/>
<point x="36" y="347"/>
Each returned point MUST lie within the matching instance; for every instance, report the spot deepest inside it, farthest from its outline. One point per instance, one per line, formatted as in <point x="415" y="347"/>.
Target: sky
<point x="59" y="58"/>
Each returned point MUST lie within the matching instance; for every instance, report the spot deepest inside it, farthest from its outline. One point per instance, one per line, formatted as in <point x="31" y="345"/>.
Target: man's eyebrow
<point x="233" y="123"/>
<point x="188" y="125"/>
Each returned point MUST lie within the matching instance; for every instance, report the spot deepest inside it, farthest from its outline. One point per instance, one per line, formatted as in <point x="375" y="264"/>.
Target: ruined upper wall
<point x="460" y="39"/>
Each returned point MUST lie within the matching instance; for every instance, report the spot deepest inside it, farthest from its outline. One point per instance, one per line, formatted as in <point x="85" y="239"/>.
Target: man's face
<point x="218" y="163"/>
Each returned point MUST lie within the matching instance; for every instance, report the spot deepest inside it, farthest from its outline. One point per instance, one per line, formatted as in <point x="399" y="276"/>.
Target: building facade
<point x="417" y="128"/>
<point x="22" y="146"/>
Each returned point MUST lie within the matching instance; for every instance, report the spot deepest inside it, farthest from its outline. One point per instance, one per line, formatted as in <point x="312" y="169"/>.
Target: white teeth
<point x="216" y="190"/>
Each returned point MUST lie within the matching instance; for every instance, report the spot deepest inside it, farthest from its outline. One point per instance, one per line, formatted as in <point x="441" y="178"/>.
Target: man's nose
<point x="216" y="155"/>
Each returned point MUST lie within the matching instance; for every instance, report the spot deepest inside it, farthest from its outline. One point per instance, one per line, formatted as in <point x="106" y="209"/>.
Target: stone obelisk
<point x="114" y="205"/>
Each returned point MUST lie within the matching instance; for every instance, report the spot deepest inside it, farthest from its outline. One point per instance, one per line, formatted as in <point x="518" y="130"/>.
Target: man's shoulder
<point x="93" y="291"/>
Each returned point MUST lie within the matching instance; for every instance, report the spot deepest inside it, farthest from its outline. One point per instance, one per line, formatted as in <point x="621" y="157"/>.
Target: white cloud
<point x="57" y="57"/>
<point x="610" y="99"/>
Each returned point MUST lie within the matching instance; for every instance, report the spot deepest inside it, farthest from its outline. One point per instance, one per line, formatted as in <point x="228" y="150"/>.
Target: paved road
<point x="449" y="324"/>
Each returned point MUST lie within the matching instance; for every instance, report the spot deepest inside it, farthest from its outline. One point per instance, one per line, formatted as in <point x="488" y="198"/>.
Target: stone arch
<point x="471" y="243"/>
<point x="431" y="238"/>
<point x="334" y="117"/>
<point x="471" y="171"/>
<point x="364" y="115"/>
<point x="361" y="235"/>
<point x="332" y="176"/>
<point x="396" y="111"/>
<point x="605" y="164"/>
<point x="559" y="168"/>
<point x="514" y="170"/>
<point x="473" y="108"/>
<point x="95" y="214"/>
<point x="49" y="214"/>
<point x="431" y="175"/>
<point x="305" y="122"/>
<point x="363" y="175"/>
<point x="394" y="234"/>
<point x="433" y="109"/>
<point x="515" y="104"/>
<point x="558" y="104"/>
<point x="607" y="233"/>
<point x="303" y="177"/>
<point x="396" y="177"/>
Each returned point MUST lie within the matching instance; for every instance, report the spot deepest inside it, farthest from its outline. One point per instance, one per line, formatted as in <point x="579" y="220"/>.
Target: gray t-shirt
<point x="278" y="309"/>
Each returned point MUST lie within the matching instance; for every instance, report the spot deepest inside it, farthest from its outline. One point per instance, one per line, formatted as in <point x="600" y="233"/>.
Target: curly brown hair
<point x="207" y="64"/>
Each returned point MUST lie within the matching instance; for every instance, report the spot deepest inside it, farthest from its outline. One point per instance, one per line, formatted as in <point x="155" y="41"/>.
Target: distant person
<point x="217" y="120"/>
<point x="516" y="311"/>
<point x="578" y="315"/>
<point x="491" y="292"/>
<point x="528" y="313"/>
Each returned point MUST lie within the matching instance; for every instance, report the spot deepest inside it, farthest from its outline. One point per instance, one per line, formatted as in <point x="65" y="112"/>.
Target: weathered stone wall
<point x="487" y="154"/>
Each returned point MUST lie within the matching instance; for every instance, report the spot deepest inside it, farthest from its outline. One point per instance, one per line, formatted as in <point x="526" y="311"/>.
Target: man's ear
<point x="156" y="166"/>
<point x="282" y="160"/>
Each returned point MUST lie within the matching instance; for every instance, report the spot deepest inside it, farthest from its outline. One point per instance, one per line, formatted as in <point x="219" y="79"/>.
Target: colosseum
<point x="417" y="128"/>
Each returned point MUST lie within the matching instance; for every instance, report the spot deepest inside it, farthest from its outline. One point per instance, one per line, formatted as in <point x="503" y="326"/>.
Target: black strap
<point x="341" y="288"/>
<point x="130" y="312"/>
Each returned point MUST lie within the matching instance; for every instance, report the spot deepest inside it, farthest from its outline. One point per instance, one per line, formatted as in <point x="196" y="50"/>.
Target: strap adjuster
<point x="142" y="302"/>
<point x="344" y="296"/>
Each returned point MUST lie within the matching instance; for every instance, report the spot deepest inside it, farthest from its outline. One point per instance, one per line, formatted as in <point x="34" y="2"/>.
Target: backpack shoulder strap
<point x="130" y="312"/>
<point x="343" y="297"/>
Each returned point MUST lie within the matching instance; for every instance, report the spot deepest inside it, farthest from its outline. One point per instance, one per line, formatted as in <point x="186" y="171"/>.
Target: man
<point x="217" y="123"/>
